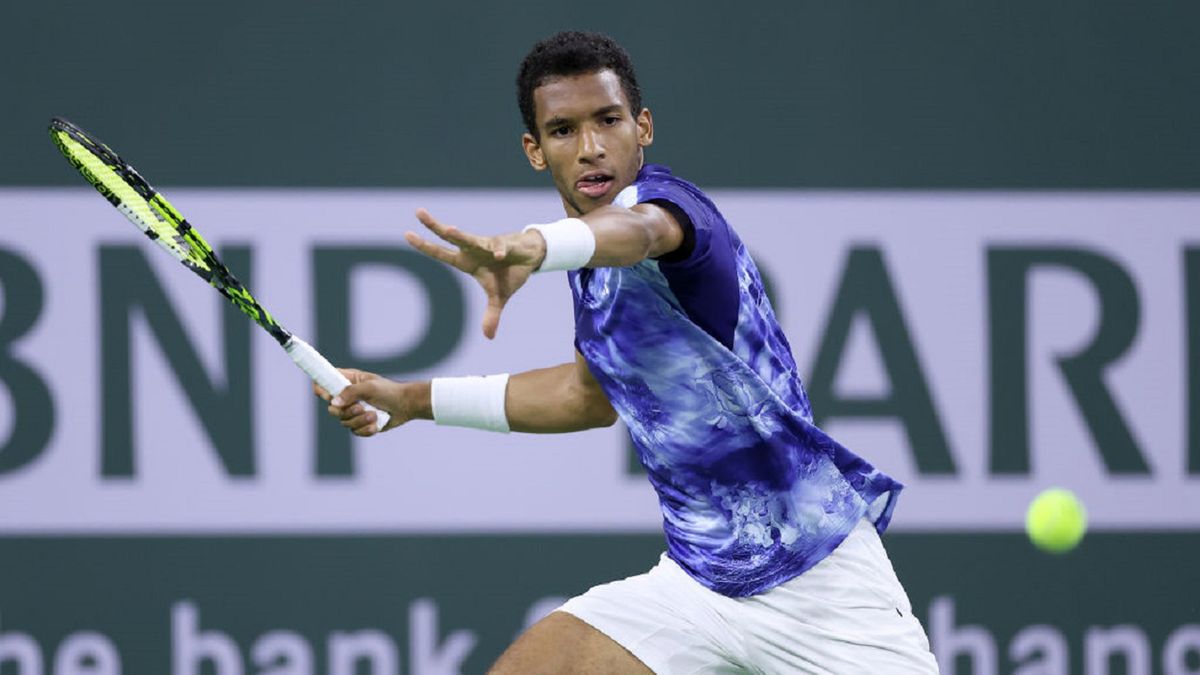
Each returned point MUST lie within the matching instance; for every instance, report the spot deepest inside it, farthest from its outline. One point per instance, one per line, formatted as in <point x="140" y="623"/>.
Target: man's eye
<point x="611" y="120"/>
<point x="560" y="131"/>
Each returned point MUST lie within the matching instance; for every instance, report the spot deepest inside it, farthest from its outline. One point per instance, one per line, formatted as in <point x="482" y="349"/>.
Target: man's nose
<point x="590" y="146"/>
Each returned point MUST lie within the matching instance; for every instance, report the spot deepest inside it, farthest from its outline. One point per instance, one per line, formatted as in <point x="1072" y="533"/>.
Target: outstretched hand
<point x="501" y="264"/>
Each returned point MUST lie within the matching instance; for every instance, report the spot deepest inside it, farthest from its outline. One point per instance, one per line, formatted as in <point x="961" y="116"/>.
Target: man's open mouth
<point x="594" y="185"/>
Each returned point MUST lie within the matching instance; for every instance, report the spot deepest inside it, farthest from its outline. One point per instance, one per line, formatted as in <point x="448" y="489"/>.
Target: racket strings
<point x="119" y="183"/>
<point x="105" y="154"/>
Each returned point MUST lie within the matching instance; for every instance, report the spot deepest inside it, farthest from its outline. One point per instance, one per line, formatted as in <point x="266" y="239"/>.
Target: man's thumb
<point x="353" y="394"/>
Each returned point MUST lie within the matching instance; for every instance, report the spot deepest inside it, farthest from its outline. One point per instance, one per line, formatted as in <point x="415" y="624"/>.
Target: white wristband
<point x="570" y="244"/>
<point x="475" y="402"/>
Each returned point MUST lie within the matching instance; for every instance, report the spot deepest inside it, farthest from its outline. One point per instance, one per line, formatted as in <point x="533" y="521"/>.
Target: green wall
<point x="1021" y="93"/>
<point x="471" y="595"/>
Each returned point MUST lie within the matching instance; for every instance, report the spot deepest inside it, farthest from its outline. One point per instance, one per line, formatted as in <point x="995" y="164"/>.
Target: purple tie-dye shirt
<point x="691" y="356"/>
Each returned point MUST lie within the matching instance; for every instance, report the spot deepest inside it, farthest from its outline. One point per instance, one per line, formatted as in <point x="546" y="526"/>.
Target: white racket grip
<point x="323" y="373"/>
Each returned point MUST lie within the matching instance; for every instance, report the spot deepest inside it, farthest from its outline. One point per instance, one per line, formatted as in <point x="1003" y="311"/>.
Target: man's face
<point x="588" y="138"/>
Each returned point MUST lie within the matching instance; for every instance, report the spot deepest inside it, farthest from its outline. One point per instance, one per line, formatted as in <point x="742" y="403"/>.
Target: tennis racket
<point x="118" y="182"/>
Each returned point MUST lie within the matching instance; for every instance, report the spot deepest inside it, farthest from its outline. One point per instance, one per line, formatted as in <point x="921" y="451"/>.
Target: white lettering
<point x="1101" y="644"/>
<point x="1185" y="640"/>
<point x="427" y="658"/>
<point x="22" y="650"/>
<point x="87" y="653"/>
<point x="347" y="649"/>
<point x="282" y="652"/>
<point x="949" y="642"/>
<point x="189" y="647"/>
<point x="1045" y="641"/>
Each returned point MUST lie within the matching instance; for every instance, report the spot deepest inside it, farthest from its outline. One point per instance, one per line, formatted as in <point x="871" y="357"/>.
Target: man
<point x="773" y="561"/>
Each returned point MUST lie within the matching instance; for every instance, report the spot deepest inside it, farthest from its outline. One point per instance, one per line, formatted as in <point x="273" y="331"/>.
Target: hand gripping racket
<point x="118" y="182"/>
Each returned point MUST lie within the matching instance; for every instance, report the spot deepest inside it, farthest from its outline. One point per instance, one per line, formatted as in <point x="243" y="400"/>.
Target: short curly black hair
<point x="568" y="53"/>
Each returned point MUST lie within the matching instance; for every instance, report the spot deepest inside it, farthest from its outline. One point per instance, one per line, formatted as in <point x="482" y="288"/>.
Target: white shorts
<point x="848" y="614"/>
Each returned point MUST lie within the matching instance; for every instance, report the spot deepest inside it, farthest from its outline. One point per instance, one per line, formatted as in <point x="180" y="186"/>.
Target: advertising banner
<point x="977" y="346"/>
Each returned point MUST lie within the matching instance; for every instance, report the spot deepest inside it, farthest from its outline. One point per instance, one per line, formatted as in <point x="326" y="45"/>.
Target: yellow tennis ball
<point x="1056" y="520"/>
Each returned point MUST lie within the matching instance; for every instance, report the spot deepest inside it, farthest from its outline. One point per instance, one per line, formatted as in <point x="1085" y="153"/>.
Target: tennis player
<point x="774" y="562"/>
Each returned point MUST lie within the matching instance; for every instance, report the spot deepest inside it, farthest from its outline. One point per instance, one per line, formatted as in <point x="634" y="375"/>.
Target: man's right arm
<point x="557" y="400"/>
<point x="552" y="400"/>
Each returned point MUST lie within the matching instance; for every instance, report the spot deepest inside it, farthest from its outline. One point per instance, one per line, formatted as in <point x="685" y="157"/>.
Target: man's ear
<point x="533" y="152"/>
<point x="645" y="126"/>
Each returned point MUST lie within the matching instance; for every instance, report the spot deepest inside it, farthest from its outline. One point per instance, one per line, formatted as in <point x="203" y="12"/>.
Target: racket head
<point x="118" y="182"/>
<point x="122" y="186"/>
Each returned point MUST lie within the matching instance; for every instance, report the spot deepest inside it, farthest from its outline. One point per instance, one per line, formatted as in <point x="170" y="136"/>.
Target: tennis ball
<point x="1056" y="520"/>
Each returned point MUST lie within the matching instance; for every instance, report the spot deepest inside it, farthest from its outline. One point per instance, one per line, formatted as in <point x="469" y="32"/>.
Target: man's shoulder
<point x="657" y="182"/>
<point x="652" y="174"/>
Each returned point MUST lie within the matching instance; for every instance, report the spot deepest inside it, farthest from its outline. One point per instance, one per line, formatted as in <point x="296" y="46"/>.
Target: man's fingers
<point x="433" y="224"/>
<point x="353" y="393"/>
<point x="452" y="234"/>
<point x="428" y="220"/>
<point x="469" y="258"/>
<point x="491" y="317"/>
<point x="363" y="424"/>
<point x="353" y="374"/>
<point x="431" y="249"/>
<point x="491" y="322"/>
<point x="353" y="415"/>
<point x="359" y="419"/>
<point x="464" y="240"/>
<point x="355" y="405"/>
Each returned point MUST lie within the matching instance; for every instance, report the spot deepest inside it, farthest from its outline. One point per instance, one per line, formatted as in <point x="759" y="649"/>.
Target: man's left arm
<point x="503" y="263"/>
<point x="626" y="237"/>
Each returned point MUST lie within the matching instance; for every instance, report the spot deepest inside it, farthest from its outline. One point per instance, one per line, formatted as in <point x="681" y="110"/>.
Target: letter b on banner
<point x="32" y="407"/>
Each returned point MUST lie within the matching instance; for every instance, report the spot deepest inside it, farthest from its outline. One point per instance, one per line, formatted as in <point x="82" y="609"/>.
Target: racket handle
<point x="323" y="373"/>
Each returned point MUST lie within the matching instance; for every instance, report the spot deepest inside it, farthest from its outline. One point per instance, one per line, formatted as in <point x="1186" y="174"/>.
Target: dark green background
<point x="124" y="587"/>
<point x="810" y="93"/>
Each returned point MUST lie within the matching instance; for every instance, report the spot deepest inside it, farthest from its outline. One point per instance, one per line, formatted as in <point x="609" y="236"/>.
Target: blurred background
<point x="979" y="222"/>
